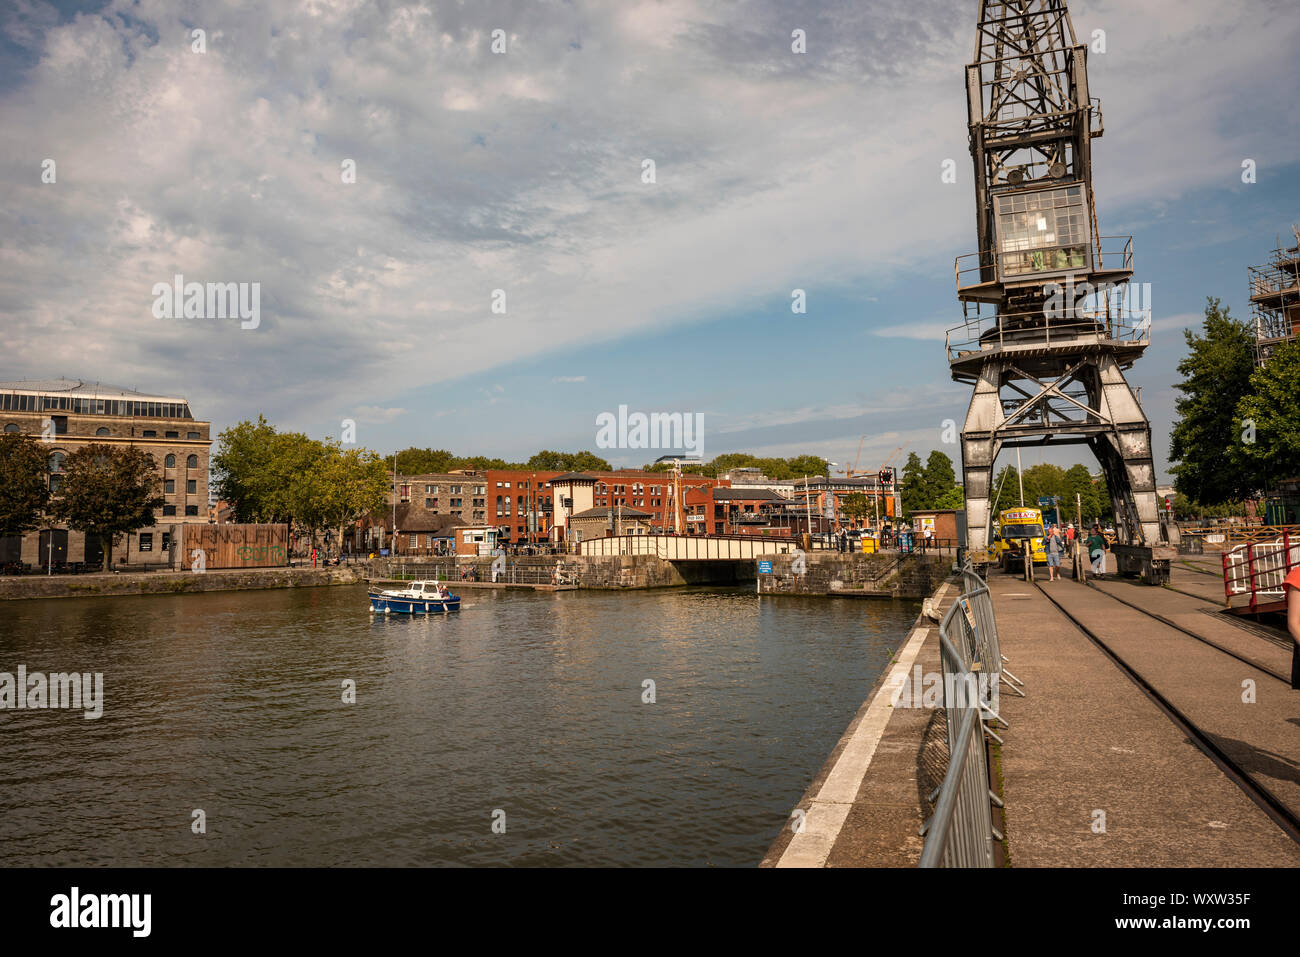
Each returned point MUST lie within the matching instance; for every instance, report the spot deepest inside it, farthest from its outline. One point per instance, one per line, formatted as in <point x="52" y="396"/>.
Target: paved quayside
<point x="1093" y="771"/>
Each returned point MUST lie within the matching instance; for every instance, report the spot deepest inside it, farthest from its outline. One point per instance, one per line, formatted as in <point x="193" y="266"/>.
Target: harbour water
<point x="524" y="709"/>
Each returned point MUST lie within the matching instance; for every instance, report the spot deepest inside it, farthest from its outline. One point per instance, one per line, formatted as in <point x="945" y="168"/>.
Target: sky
<point x="524" y="172"/>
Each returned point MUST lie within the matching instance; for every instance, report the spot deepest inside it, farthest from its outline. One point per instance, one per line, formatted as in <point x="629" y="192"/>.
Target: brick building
<point x="67" y="414"/>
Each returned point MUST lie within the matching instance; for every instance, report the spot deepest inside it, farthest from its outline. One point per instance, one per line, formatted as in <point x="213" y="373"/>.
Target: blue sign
<point x="765" y="568"/>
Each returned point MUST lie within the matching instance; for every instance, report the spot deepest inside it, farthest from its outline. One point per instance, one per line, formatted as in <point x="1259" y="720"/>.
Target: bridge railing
<point x="687" y="547"/>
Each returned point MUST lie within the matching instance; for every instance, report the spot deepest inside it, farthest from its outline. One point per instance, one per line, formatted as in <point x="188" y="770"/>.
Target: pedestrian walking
<point x="1069" y="533"/>
<point x="1096" y="545"/>
<point x="1055" y="548"/>
<point x="1292" y="588"/>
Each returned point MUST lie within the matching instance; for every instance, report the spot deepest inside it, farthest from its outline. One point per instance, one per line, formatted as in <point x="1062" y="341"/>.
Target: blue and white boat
<point x="417" y="598"/>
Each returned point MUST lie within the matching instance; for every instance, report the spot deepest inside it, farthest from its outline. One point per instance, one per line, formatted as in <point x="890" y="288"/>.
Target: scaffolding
<point x="1275" y="299"/>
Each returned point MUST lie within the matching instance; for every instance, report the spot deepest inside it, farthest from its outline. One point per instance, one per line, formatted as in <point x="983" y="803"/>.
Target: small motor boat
<point x="417" y="598"/>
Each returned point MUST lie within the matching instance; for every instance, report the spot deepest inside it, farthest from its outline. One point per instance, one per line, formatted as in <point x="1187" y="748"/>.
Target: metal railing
<point x="1259" y="569"/>
<point x="960" y="833"/>
<point x="987" y="330"/>
<point x="480" y="570"/>
<point x="1108" y="253"/>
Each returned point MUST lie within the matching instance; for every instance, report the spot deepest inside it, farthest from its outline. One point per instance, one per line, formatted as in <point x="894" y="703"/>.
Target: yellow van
<point x="1016" y="526"/>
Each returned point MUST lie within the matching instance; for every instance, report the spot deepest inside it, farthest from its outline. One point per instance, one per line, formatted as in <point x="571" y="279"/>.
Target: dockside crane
<point x="1046" y="338"/>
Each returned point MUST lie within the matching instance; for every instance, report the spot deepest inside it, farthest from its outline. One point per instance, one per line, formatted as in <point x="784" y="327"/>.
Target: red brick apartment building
<point x="521" y="505"/>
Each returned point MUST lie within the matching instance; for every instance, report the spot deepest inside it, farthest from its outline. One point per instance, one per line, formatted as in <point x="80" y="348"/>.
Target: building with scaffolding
<point x="1275" y="299"/>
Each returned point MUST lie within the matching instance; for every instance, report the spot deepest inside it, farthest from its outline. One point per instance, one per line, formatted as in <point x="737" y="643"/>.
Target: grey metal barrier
<point x="960" y="833"/>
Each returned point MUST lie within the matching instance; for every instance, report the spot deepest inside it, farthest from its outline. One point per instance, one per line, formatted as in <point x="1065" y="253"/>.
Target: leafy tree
<point x="415" y="461"/>
<point x="107" y="491"/>
<point x="1216" y="378"/>
<point x="24" y="487"/>
<point x="856" y="506"/>
<point x="914" y="492"/>
<point x="940" y="479"/>
<point x="355" y="482"/>
<point x="955" y="497"/>
<point x="548" y="461"/>
<point x="241" y="469"/>
<point x="1273" y="406"/>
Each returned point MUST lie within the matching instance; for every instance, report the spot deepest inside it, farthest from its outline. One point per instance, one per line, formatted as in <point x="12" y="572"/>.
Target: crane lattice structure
<point x="1049" y="320"/>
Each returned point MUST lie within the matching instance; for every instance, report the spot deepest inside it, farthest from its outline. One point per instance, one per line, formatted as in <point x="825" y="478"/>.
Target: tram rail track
<point x="1277" y="810"/>
<point x="1201" y="638"/>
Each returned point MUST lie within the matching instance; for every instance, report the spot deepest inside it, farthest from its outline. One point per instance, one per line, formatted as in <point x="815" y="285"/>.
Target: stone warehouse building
<point x="67" y="414"/>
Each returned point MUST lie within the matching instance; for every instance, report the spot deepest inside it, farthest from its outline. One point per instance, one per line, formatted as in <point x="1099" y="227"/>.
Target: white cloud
<point x="522" y="172"/>
<point x="375" y="414"/>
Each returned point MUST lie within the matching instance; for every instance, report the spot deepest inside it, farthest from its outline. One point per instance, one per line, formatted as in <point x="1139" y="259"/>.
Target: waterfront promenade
<point x="1141" y="741"/>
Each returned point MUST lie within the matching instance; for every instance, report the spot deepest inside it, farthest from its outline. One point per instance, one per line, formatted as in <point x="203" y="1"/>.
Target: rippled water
<point x="528" y="703"/>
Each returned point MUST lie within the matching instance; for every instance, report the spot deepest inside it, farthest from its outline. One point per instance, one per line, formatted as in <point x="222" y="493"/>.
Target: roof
<point x="574" y="477"/>
<point x="747" y="494"/>
<point x="414" y="518"/>
<point x="99" y="390"/>
<point x="603" y="511"/>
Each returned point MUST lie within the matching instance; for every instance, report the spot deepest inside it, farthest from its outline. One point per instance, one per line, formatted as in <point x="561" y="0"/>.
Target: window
<point x="429" y="503"/>
<point x="56" y="461"/>
<point x="170" y="462"/>
<point x="428" y="490"/>
<point x="192" y="462"/>
<point x="146" y="542"/>
<point x="415" y="541"/>
<point x="101" y="431"/>
<point x="172" y="435"/>
<point x="455" y="490"/>
<point x="166" y="541"/>
<point x="55" y="481"/>
<point x="150" y="434"/>
<point x="169" y="509"/>
<point x="169" y="486"/>
<point x="1043" y="230"/>
<point x="192" y="486"/>
<point x="192" y="436"/>
<point x="191" y="510"/>
<point x="11" y="427"/>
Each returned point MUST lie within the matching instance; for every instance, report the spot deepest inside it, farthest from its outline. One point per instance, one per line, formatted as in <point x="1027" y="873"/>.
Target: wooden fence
<point x="237" y="546"/>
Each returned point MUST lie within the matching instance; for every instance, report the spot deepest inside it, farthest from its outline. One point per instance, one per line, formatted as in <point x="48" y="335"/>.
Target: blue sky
<point x="523" y="171"/>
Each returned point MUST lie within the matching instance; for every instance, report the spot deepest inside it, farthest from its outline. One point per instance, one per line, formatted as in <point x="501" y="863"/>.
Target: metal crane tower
<point x="1049" y="325"/>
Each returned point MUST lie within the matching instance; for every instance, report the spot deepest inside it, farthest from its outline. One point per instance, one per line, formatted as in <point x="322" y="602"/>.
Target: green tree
<point x="107" y="491"/>
<point x="856" y="506"/>
<point x="584" y="461"/>
<point x="1078" y="482"/>
<point x="24" y="485"/>
<point x="1270" y="416"/>
<point x="955" y="497"/>
<point x="241" y="469"/>
<point x="915" y="493"/>
<point x="940" y="479"/>
<point x="415" y="461"/>
<point x="355" y="482"/>
<point x="1216" y="378"/>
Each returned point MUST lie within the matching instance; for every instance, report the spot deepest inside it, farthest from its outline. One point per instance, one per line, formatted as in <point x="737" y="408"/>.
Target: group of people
<point x="1058" y="540"/>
